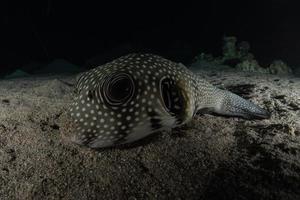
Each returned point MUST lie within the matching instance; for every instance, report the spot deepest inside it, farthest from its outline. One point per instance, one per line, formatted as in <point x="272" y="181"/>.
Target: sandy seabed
<point x="212" y="157"/>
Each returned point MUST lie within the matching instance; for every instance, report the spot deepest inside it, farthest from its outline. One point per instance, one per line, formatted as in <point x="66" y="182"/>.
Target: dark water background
<point x="37" y="32"/>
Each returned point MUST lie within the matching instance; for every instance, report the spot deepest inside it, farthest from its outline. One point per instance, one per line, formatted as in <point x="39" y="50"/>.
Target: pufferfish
<point x="139" y="94"/>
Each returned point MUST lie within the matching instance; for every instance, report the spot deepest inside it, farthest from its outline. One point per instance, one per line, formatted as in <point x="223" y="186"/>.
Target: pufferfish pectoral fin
<point x="230" y="104"/>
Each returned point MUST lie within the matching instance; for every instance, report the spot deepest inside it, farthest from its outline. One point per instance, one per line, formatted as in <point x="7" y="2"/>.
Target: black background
<point x="78" y="30"/>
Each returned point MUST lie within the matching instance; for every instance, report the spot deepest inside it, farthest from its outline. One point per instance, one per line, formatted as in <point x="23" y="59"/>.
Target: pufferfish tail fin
<point x="230" y="104"/>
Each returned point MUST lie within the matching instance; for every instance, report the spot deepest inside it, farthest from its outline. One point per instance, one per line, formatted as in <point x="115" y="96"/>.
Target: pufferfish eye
<point x="172" y="98"/>
<point x="118" y="89"/>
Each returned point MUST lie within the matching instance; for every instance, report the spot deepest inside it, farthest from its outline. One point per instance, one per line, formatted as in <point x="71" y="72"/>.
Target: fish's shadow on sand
<point x="150" y="139"/>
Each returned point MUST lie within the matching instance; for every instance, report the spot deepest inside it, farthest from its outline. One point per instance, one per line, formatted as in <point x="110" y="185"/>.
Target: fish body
<point x="139" y="94"/>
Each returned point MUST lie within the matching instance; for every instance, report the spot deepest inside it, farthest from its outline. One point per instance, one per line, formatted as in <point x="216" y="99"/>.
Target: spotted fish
<point x="139" y="94"/>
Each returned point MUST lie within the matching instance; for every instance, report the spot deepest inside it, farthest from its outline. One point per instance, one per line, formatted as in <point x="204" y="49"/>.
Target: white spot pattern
<point x="104" y="125"/>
